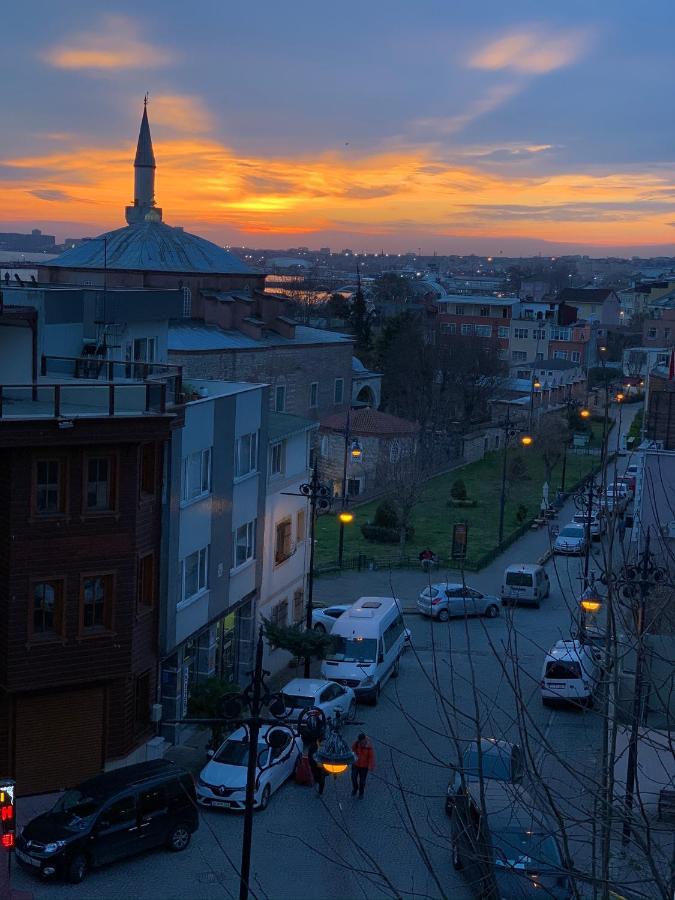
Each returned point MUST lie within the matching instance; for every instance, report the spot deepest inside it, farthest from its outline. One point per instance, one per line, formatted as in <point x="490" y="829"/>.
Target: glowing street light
<point x="526" y="440"/>
<point x="346" y="518"/>
<point x="585" y="413"/>
<point x="356" y="450"/>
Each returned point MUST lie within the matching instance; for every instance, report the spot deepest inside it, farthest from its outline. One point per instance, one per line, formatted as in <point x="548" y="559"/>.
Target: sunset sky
<point x="448" y="126"/>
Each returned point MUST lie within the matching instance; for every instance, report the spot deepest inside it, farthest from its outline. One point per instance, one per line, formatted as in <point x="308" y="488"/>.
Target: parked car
<point x="324" y="617"/>
<point x="598" y="521"/>
<point x="110" y="817"/>
<point x="632" y="472"/>
<point x="571" y="539"/>
<point x="222" y="781"/>
<point x="526" y="584"/>
<point x="570" y="673"/>
<point x="615" y="497"/>
<point x="303" y="693"/>
<point x="629" y="482"/>
<point x="506" y="846"/>
<point x="441" y="601"/>
<point x="497" y="761"/>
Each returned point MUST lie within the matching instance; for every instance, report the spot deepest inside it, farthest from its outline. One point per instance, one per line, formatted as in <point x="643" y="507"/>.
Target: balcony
<point x="85" y="387"/>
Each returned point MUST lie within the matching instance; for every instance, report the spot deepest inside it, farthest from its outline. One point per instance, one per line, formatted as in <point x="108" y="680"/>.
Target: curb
<point x="545" y="558"/>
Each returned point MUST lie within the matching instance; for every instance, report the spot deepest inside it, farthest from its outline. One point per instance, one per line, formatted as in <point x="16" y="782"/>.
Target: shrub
<point x="458" y="490"/>
<point x="381" y="535"/>
<point x="386" y="515"/>
<point x="521" y="513"/>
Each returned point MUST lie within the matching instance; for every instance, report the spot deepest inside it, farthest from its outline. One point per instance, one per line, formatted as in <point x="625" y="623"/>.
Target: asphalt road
<point x="394" y="843"/>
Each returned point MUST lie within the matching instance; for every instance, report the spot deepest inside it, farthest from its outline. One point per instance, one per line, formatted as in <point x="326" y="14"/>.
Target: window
<point x="540" y="355"/>
<point x="467" y="329"/>
<point x="518" y="355"/>
<point x="651" y="332"/>
<point x="459" y="310"/>
<point x="196" y="475"/>
<point x="121" y="812"/>
<point x="560" y="334"/>
<point x="48" y="487"/>
<point x="353" y="487"/>
<point x="283" y="547"/>
<point x="246" y="454"/>
<point x="280" y="398"/>
<point x="520" y="333"/>
<point x="339" y="390"/>
<point x="298" y="606"/>
<point x="244" y="543"/>
<point x="148" y="479"/>
<point x="300" y="526"/>
<point x="145" y="585"/>
<point x="484" y="330"/>
<point x="560" y="354"/>
<point x="46" y="618"/>
<point x="505" y="313"/>
<point x="575" y="356"/>
<point x="100" y="483"/>
<point x="194" y="573"/>
<point x="485" y="311"/>
<point x="144" y="349"/>
<point x="187" y="302"/>
<point x="394" y="451"/>
<point x="503" y="331"/>
<point x="278" y="458"/>
<point x="152" y="801"/>
<point x="448" y="328"/>
<point x="539" y="334"/>
<point x="279" y="614"/>
<point x="96" y="603"/>
<point x="142" y="709"/>
<point x="314" y="395"/>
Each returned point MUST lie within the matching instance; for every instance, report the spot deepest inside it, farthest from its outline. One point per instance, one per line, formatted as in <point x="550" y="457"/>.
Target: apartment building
<point x="482" y="316"/>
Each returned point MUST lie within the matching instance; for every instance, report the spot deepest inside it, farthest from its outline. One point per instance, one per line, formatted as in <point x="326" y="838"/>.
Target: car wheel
<point x="492" y="611"/>
<point x="376" y="696"/>
<point x="265" y="798"/>
<point x="397" y="668"/>
<point x="443" y="615"/>
<point x="457" y="863"/>
<point x="320" y="628"/>
<point x="78" y="868"/>
<point x="179" y="838"/>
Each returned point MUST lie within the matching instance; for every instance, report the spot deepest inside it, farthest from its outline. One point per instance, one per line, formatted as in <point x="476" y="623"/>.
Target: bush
<point x="386" y="515"/>
<point x="382" y="535"/>
<point x="458" y="490"/>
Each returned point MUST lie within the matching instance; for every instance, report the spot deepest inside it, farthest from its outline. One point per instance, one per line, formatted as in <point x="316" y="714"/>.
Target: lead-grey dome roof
<point x="152" y="247"/>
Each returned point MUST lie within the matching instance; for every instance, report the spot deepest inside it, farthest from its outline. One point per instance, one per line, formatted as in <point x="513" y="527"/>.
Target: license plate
<point x="219" y="803"/>
<point x="555" y="687"/>
<point x="27" y="859"/>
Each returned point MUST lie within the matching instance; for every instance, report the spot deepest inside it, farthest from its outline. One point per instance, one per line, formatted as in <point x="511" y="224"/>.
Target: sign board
<point x="7" y="814"/>
<point x="460" y="539"/>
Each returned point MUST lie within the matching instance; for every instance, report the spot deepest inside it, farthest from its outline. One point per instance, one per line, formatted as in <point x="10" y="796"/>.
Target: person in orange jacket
<point x="364" y="763"/>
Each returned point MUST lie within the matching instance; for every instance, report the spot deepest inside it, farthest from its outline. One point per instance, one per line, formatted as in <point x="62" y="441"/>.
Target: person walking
<point x="318" y="771"/>
<point x="364" y="763"/>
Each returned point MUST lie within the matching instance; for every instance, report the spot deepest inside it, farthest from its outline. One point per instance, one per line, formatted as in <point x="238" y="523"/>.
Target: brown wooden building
<point x="79" y="553"/>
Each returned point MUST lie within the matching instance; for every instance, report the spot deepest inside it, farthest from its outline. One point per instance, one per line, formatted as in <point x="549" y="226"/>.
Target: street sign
<point x="460" y="539"/>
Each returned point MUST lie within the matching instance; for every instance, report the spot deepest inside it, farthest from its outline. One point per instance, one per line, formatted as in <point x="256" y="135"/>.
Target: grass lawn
<point x="433" y="518"/>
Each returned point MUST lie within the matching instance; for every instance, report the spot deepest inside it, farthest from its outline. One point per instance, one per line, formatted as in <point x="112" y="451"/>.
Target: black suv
<point x="110" y="817"/>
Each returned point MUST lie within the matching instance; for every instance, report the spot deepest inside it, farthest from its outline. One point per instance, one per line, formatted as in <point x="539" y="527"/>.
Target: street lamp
<point x="525" y="440"/>
<point x="334" y="755"/>
<point x="353" y="450"/>
<point x="346" y="518"/>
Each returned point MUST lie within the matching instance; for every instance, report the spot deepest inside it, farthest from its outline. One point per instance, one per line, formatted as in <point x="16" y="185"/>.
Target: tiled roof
<point x="366" y="421"/>
<point x="187" y="337"/>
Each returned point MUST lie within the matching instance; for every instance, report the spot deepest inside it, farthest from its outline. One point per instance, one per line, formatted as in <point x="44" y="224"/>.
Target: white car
<point x="304" y="693"/>
<point x="440" y="601"/>
<point x="323" y="617"/>
<point x="222" y="781"/>
<point x="571" y="539"/>
<point x="598" y="521"/>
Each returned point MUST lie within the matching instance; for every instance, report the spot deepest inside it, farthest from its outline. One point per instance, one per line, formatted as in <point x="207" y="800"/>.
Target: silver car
<point x="440" y="601"/>
<point x="571" y="539"/>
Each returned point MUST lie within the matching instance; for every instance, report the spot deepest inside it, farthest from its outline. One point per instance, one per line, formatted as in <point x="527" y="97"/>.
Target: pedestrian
<point x="318" y="771"/>
<point x="364" y="763"/>
<point x="622" y="528"/>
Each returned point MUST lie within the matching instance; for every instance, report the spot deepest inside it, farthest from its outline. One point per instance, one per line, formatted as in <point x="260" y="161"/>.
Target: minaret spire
<point x="144" y="208"/>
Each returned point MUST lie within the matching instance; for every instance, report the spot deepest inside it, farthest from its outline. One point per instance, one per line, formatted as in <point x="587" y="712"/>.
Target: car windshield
<point x="496" y="764"/>
<point x="572" y="531"/>
<point x="561" y="669"/>
<point x="530" y="851"/>
<point x="75" y="806"/>
<point x="354" y="649"/>
<point x="295" y="701"/>
<point x="519" y="579"/>
<point x="235" y="753"/>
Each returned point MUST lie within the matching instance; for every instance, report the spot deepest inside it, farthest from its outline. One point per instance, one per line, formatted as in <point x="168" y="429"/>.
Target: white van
<point x="525" y="583"/>
<point x="570" y="673"/>
<point x="368" y="640"/>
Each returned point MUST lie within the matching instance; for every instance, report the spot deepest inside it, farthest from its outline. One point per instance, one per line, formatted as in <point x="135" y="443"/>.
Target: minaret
<point x="144" y="208"/>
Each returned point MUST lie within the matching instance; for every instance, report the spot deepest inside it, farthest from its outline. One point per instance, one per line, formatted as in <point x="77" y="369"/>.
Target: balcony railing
<point x="94" y="368"/>
<point x="71" y="399"/>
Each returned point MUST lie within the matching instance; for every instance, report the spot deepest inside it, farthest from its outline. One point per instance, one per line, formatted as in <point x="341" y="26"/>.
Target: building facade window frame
<point x="100" y="617"/>
<point x="339" y="391"/>
<point x="277" y="459"/>
<point x="246" y="455"/>
<point x="243" y="543"/>
<point x="314" y="395"/>
<point x="99" y="488"/>
<point x="283" y="540"/>
<point x="49" y="486"/>
<point x="196" y="476"/>
<point x="280" y="398"/>
<point x="194" y="576"/>
<point x="36" y="591"/>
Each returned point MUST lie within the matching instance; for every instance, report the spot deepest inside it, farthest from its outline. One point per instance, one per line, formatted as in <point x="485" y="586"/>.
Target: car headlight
<point x="367" y="681"/>
<point x="54" y="846"/>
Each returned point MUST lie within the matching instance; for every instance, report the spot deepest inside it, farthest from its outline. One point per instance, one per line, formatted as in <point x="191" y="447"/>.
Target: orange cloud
<point x="114" y="44"/>
<point x="182" y="112"/>
<point x="204" y="185"/>
<point x="532" y="51"/>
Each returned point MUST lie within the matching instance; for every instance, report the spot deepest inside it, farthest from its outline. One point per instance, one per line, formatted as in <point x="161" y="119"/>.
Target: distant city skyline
<point x="489" y="129"/>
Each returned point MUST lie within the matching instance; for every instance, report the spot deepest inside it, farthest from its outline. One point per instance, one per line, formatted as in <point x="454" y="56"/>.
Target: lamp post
<point x="584" y="503"/>
<point x="345" y="518"/>
<point x="571" y="406"/>
<point x="526" y="441"/>
<point x="534" y="385"/>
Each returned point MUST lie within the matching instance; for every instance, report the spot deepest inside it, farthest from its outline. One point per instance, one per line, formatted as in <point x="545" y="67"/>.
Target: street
<point x="458" y="676"/>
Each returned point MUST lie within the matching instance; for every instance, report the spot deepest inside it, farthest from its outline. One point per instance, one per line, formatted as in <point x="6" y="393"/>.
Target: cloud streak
<point x="532" y="50"/>
<point x="115" y="43"/>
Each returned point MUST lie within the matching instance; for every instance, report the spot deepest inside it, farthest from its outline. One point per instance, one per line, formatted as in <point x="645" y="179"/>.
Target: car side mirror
<point x="210" y="753"/>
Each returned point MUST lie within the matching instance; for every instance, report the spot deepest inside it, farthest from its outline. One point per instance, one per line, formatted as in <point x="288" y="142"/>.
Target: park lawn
<point x="433" y="518"/>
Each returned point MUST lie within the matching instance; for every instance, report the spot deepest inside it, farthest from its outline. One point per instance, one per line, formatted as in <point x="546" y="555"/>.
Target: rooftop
<point x="366" y="421"/>
<point x="584" y="295"/>
<point x="186" y="337"/>
<point x="478" y="300"/>
<point x="284" y="425"/>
